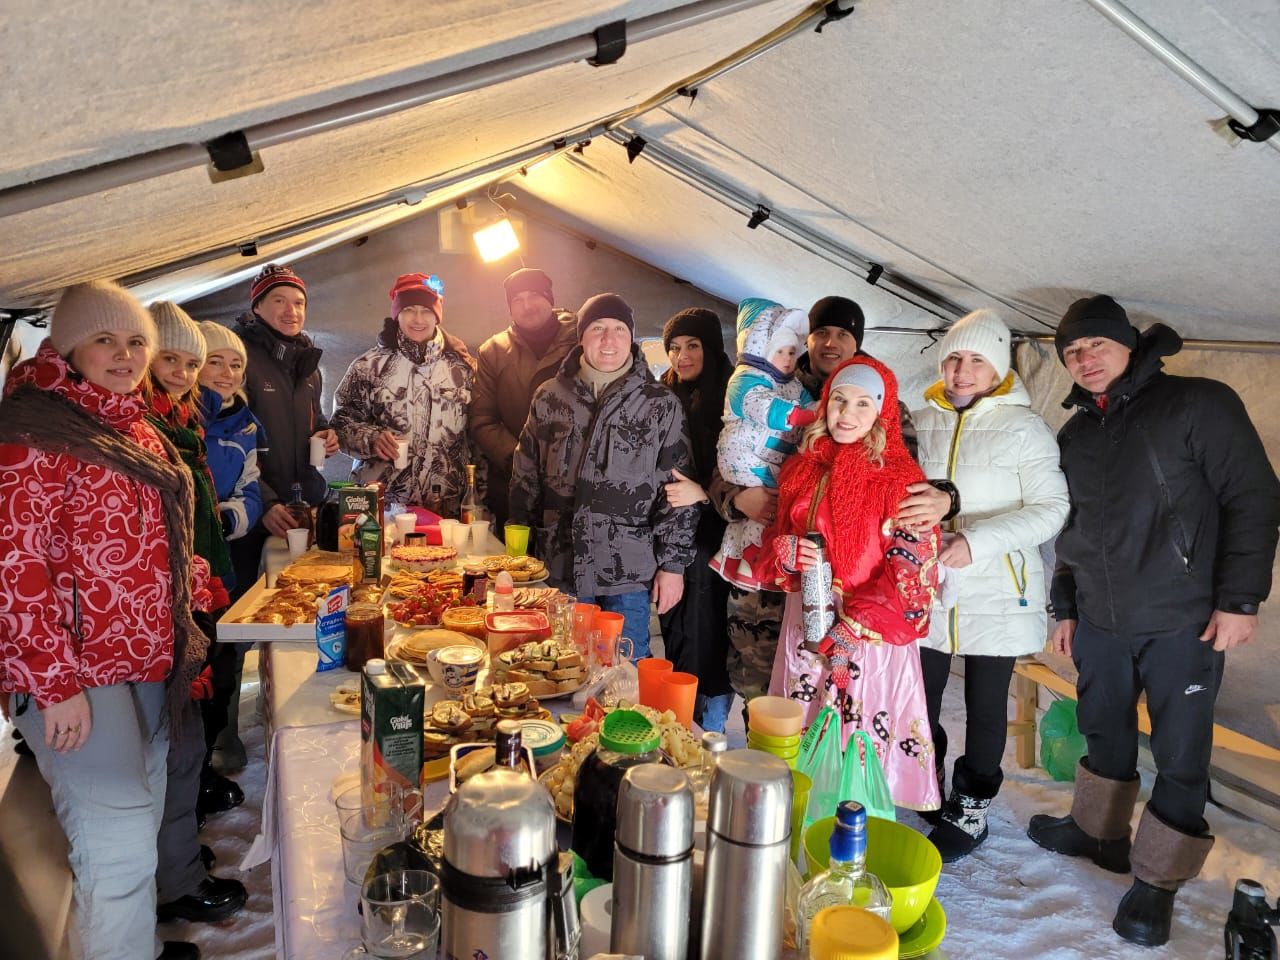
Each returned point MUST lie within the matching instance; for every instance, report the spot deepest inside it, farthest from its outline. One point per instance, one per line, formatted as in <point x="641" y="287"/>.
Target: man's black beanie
<point x="605" y="306"/>
<point x="1098" y="316"/>
<point x="838" y="312"/>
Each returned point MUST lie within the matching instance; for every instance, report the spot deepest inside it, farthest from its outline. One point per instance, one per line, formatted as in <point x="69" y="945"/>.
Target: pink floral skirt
<point x="885" y="697"/>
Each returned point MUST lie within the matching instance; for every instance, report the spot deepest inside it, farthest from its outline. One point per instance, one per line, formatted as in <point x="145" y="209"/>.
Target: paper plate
<point x="926" y="934"/>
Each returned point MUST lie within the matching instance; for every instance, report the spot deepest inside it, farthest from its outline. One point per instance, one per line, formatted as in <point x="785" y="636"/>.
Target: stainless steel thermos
<point x="499" y="854"/>
<point x="819" y="610"/>
<point x="653" y="864"/>
<point x="748" y="843"/>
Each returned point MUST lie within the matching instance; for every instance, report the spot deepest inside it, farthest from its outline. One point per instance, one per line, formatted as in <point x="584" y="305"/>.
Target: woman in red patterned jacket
<point x="95" y="604"/>
<point x="845" y="483"/>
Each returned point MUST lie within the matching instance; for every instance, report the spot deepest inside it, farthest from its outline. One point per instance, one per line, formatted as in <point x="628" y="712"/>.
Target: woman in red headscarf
<point x="844" y="483"/>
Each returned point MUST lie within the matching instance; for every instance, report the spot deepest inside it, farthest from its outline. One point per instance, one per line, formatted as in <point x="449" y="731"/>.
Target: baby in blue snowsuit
<point x="764" y="412"/>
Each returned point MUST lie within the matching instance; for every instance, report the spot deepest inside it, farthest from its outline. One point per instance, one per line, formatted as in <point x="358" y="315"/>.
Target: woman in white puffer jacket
<point x="978" y="431"/>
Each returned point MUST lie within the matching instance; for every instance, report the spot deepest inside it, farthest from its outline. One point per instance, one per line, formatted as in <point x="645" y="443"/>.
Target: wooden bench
<point x="1030" y="675"/>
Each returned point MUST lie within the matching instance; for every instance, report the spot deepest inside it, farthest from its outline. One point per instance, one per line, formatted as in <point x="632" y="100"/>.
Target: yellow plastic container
<point x="851" y="933"/>
<point x="904" y="860"/>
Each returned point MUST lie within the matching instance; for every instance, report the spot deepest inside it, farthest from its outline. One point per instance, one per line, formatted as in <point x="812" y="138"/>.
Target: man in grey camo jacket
<point x="602" y="439"/>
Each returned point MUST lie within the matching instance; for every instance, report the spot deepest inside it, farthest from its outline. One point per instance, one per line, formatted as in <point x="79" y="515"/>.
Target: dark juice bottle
<point x="327" y="517"/>
<point x="300" y="510"/>
<point x="627" y="739"/>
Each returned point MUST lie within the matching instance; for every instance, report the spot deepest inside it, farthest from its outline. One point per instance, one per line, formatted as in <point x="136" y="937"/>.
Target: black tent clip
<point x="611" y="43"/>
<point x="230" y="156"/>
<point x="874" y="273"/>
<point x="761" y="214"/>
<point x="834" y="11"/>
<point x="635" y="147"/>
<point x="1264" y="128"/>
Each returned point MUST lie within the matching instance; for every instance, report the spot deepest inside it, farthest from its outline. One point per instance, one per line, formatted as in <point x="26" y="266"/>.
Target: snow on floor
<point x="1009" y="900"/>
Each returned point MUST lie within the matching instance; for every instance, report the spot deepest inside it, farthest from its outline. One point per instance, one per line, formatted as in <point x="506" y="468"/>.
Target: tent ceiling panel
<point x="136" y="227"/>
<point x="88" y="82"/>
<point x="646" y="213"/>
<point x="1029" y="147"/>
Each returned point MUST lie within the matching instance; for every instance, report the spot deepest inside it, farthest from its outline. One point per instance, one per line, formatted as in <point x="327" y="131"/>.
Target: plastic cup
<point x="317" y="452"/>
<point x="479" y="536"/>
<point x="609" y="624"/>
<point x="406" y="523"/>
<point x="446" y="532"/>
<point x="775" y="716"/>
<point x="517" y="538"/>
<point x="459" y="534"/>
<point x="402" y="454"/>
<point x="677" y="692"/>
<point x="651" y="671"/>
<point x="400" y="914"/>
<point x="298" y="538"/>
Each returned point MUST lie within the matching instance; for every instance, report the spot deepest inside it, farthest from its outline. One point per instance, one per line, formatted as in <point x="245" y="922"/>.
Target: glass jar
<point x="366" y="632"/>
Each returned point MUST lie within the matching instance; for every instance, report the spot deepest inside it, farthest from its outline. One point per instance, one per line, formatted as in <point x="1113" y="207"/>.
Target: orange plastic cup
<point x="677" y="693"/>
<point x="609" y="624"/>
<point x="652" y="670"/>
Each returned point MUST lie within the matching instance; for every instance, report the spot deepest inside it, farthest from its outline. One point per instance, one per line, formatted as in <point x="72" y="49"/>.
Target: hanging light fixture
<point x="497" y="240"/>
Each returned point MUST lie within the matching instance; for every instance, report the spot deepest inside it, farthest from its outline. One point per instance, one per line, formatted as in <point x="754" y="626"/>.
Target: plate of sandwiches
<point x="522" y="569"/>
<point x="544" y="667"/>
<point x="475" y="716"/>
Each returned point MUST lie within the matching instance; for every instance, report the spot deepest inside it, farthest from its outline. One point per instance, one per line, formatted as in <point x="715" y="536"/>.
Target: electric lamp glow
<point x="496" y="240"/>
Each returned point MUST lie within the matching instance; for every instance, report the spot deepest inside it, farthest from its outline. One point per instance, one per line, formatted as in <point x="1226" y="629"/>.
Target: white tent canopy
<point x="991" y="153"/>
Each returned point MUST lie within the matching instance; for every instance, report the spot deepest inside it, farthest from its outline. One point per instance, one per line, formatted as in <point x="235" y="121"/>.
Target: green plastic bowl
<point x="904" y="860"/>
<point x="773" y="743"/>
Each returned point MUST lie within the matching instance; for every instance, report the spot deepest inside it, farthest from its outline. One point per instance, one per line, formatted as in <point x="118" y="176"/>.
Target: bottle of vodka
<point x="846" y="881"/>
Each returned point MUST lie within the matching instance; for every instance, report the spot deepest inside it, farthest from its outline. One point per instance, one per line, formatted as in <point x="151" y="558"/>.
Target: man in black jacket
<point x="282" y="379"/>
<point x="1165" y="557"/>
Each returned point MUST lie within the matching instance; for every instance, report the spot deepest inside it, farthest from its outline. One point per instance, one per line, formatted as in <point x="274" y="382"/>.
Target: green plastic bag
<point x="862" y="778"/>
<point x="1061" y="742"/>
<point x="820" y="761"/>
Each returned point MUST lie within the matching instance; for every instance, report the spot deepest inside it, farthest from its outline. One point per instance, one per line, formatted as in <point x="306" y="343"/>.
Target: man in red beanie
<point x="283" y="382"/>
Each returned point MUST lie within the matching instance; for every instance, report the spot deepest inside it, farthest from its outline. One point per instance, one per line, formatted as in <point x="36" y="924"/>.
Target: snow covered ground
<point x="1009" y="901"/>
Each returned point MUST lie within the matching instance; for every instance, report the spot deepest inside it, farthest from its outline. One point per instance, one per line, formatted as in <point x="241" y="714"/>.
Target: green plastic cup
<point x="517" y="537"/>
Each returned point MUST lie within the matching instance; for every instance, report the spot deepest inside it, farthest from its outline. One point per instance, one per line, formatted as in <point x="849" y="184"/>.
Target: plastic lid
<point x="851" y="933"/>
<point x="543" y="736"/>
<point x="714" y="742"/>
<point x="375" y="667"/>
<point x="628" y="731"/>
<point x="852" y="814"/>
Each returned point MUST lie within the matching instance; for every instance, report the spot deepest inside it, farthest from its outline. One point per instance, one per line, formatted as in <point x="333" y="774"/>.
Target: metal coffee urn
<point x="653" y="864"/>
<point x="499" y="852"/>
<point x="748" y="842"/>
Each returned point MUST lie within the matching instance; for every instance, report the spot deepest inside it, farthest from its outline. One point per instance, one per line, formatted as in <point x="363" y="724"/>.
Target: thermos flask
<point x="653" y="864"/>
<point x="748" y="843"/>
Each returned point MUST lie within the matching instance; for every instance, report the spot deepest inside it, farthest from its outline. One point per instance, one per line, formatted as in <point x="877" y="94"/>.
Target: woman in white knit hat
<point x="978" y="431"/>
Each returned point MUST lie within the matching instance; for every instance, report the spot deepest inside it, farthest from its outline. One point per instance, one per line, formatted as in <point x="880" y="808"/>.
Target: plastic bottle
<point x="504" y="593"/>
<point x="846" y="881"/>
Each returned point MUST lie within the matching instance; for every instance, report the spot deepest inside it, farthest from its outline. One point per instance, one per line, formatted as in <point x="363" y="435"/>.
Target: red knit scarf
<point x="860" y="495"/>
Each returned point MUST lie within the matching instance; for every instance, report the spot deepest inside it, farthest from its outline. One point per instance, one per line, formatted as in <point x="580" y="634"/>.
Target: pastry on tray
<point x="522" y="569"/>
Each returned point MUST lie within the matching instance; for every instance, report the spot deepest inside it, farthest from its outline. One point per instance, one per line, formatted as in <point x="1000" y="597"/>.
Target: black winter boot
<point x="1164" y="858"/>
<point x="1145" y="915"/>
<point x="1098" y="825"/>
<point x="962" y="826"/>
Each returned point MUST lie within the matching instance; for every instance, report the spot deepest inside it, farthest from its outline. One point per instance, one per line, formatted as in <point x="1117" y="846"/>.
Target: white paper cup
<point x="298" y="538"/>
<point x="317" y="452"/>
<point x="460" y="533"/>
<point x="402" y="454"/>
<point x="406" y="523"/>
<point x="480" y="536"/>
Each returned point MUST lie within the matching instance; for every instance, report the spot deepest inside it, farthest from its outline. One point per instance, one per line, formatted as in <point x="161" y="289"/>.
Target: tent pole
<point x="1190" y="71"/>
<point x="157" y="163"/>
<point x="1231" y="346"/>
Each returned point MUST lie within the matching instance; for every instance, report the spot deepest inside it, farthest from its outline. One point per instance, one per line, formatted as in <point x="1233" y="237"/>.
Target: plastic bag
<point x="1061" y="743"/>
<point x="862" y="778"/>
<point x="819" y="760"/>
<point x="611" y="686"/>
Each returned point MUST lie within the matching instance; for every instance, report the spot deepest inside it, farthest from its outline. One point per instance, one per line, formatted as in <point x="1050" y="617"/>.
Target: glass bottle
<point x="435" y="502"/>
<point x="328" y="517"/>
<point x="300" y="510"/>
<point x="846" y="881"/>
<point x="713" y="744"/>
<point x="471" y="508"/>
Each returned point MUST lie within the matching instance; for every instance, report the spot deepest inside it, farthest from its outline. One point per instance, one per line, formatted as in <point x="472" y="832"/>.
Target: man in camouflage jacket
<point x="602" y="439"/>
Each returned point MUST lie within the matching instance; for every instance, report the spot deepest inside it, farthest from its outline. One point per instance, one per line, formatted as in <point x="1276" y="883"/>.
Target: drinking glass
<point x="400" y="916"/>
<point x="370" y="820"/>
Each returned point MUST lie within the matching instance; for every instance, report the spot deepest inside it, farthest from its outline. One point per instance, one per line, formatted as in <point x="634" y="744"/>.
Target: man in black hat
<point x="1165" y="558"/>
<point x="512" y="365"/>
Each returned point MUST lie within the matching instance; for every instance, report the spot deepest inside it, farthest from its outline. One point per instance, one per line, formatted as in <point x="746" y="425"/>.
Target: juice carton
<point x="353" y="501"/>
<point x="392" y="697"/>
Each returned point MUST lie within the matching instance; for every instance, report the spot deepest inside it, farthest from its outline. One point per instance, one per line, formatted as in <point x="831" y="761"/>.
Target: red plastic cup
<point x="652" y="670"/>
<point x="677" y="693"/>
